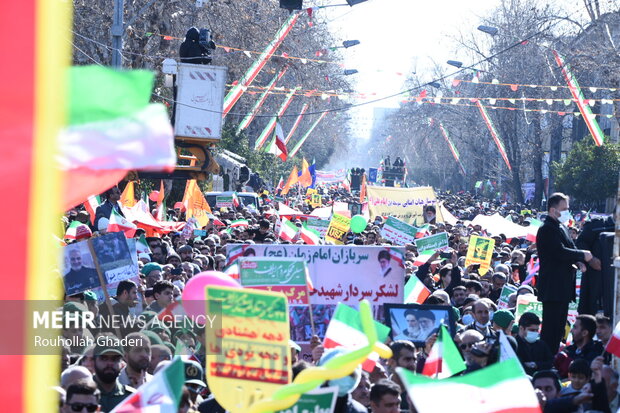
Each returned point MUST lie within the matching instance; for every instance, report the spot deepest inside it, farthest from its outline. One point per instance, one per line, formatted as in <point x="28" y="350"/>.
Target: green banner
<point x="432" y="243"/>
<point x="507" y="289"/>
<point x="398" y="232"/>
<point x="223" y="201"/>
<point x="321" y="400"/>
<point x="249" y="304"/>
<point x="319" y="225"/>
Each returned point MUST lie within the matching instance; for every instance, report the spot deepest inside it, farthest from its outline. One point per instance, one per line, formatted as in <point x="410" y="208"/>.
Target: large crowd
<point x="564" y="358"/>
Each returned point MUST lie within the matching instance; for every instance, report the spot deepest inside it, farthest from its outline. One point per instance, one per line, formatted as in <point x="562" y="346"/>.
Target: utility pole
<point x="117" y="34"/>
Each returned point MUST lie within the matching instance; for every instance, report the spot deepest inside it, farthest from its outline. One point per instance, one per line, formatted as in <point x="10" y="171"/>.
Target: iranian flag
<point x="532" y="230"/>
<point x="444" y="359"/>
<point x="345" y="330"/>
<point x="280" y="184"/>
<point x="310" y="236"/>
<point x="142" y="245"/>
<point x="277" y="146"/>
<point x="91" y="205"/>
<point x="161" y="394"/>
<point x="113" y="128"/>
<point x="232" y="271"/>
<point x="500" y="388"/>
<point x="119" y="223"/>
<point x="235" y="251"/>
<point x="613" y="345"/>
<point x="422" y="258"/>
<point x="415" y="291"/>
<point x="423" y="231"/>
<point x="239" y="223"/>
<point x="397" y="256"/>
<point x="288" y="230"/>
<point x="173" y="311"/>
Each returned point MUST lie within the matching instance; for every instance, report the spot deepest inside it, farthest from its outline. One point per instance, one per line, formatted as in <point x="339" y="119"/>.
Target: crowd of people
<point x="567" y="362"/>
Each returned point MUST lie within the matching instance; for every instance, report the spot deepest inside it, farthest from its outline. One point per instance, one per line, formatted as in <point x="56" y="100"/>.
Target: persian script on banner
<point x="399" y="232"/>
<point x="406" y="204"/>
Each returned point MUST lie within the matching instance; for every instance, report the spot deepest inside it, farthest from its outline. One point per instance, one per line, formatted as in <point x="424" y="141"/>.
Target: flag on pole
<point x="444" y="359"/>
<point x="161" y="394"/>
<point x="415" y="291"/>
<point x="262" y="138"/>
<point x="128" y="197"/>
<point x="397" y="256"/>
<point x="119" y="223"/>
<point x="288" y="230"/>
<point x="91" y="205"/>
<point x="345" y="329"/>
<point x="71" y="232"/>
<point x="113" y="128"/>
<point x="310" y="236"/>
<point x="613" y="345"/>
<point x="363" y="190"/>
<point x="588" y="117"/>
<point x="277" y="146"/>
<point x="196" y="205"/>
<point x="292" y="180"/>
<point x="142" y="246"/>
<point x="501" y="387"/>
<point x="304" y="177"/>
<point x="161" y="205"/>
<point x="280" y="184"/>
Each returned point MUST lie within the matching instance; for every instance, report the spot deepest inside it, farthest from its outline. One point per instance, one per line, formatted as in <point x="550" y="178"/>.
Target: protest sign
<point x="113" y="258"/>
<point x="337" y="230"/>
<point x="319" y="225"/>
<point x="248" y="358"/>
<point x="416" y="322"/>
<point x="200" y="233"/>
<point x="345" y="274"/>
<point x="432" y="242"/>
<point x="406" y="204"/>
<point x="79" y="272"/>
<point x="321" y="400"/>
<point x="507" y="289"/>
<point x="398" y="232"/>
<point x="316" y="200"/>
<point x="285" y="275"/>
<point x="224" y="202"/>
<point x="480" y="251"/>
<point x="529" y="303"/>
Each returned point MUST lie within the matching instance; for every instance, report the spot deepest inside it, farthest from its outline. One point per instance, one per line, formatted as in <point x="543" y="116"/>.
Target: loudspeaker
<point x="291" y="4"/>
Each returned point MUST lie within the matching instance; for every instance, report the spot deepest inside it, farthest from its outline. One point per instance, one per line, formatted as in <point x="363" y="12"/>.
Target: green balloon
<point x="358" y="224"/>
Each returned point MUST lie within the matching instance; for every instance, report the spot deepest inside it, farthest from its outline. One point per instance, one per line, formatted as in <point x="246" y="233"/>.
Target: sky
<point x="398" y="37"/>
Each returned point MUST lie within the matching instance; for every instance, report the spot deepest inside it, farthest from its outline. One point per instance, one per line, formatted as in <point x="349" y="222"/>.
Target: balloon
<point x="154" y="195"/>
<point x="358" y="224"/>
<point x="193" y="295"/>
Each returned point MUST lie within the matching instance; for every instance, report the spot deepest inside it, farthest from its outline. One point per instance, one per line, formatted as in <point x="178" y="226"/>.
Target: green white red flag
<point x="494" y="134"/>
<point x="444" y="359"/>
<point x="415" y="291"/>
<point x="288" y="230"/>
<point x="345" y="330"/>
<point x="277" y="146"/>
<point x="142" y="245"/>
<point x="453" y="149"/>
<point x="161" y="394"/>
<point x="499" y="388"/>
<point x="309" y="235"/>
<point x="91" y="205"/>
<point x="240" y="223"/>
<point x="588" y="117"/>
<point x="119" y="223"/>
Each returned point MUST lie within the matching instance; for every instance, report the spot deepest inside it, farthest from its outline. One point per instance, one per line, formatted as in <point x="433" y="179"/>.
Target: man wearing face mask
<point x="557" y="253"/>
<point x="533" y="353"/>
<point x="346" y="385"/>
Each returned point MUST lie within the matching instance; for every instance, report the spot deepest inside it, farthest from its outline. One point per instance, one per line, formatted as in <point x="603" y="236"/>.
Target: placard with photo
<point x="416" y="322"/>
<point x="79" y="272"/>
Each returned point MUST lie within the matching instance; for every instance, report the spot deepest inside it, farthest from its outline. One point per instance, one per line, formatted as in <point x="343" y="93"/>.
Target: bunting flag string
<point x="272" y="122"/>
<point x="303" y="138"/>
<point x="296" y="124"/>
<point x="453" y="149"/>
<point x="257" y="105"/>
<point x="494" y="134"/>
<point x="235" y="93"/>
<point x="515" y="86"/>
<point x="575" y="90"/>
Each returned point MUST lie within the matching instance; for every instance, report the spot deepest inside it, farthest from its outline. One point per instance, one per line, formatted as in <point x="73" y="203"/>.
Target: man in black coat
<point x="557" y="254"/>
<point x="112" y="195"/>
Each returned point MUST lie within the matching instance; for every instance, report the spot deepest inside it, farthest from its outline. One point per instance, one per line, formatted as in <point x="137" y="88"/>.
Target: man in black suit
<point x="557" y="253"/>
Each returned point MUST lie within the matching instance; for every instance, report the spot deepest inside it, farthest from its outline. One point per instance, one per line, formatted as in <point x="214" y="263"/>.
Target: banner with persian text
<point x="406" y="204"/>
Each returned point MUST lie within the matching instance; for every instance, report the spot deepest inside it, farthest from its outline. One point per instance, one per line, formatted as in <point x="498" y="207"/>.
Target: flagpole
<point x="104" y="287"/>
